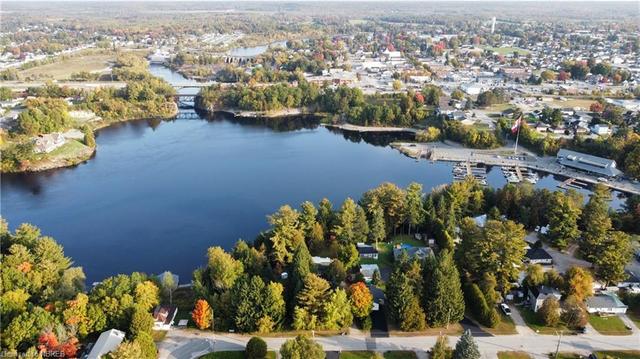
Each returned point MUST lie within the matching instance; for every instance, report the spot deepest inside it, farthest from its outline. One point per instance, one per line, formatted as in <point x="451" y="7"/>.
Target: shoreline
<point x="47" y="164"/>
<point x="365" y="129"/>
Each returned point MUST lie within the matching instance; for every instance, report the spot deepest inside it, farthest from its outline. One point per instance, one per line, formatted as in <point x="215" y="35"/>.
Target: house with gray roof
<point x="592" y="164"/>
<point x="537" y="296"/>
<point x="605" y="303"/>
<point x="412" y="252"/>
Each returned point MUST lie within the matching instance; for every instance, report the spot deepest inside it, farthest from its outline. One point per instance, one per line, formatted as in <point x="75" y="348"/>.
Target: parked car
<point x="505" y="309"/>
<point x="582" y="330"/>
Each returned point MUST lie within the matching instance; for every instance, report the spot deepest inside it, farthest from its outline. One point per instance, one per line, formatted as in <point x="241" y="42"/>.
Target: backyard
<point x="534" y="323"/>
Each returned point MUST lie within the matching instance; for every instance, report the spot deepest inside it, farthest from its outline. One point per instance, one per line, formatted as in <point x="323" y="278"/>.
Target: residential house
<point x="538" y="256"/>
<point x="605" y="303"/>
<point x="537" y="296"/>
<point x="601" y="130"/>
<point x="48" y="142"/>
<point x="163" y="316"/>
<point x="367" y="251"/>
<point x="107" y="342"/>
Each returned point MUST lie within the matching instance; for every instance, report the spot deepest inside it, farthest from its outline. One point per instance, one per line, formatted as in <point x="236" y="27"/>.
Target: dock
<point x="527" y="165"/>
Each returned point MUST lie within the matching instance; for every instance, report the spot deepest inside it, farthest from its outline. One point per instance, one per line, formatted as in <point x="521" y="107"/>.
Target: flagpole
<point x="519" y="123"/>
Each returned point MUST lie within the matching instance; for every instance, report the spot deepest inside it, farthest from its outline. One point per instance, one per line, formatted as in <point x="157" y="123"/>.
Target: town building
<point x="588" y="163"/>
<point x="48" y="142"/>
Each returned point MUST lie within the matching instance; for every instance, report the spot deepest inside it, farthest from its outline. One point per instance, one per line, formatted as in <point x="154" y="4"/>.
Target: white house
<point x="539" y="294"/>
<point x="107" y="342"/>
<point x="605" y="303"/>
<point x="321" y="261"/>
<point x="163" y="316"/>
<point x="48" y="142"/>
<point x="601" y="130"/>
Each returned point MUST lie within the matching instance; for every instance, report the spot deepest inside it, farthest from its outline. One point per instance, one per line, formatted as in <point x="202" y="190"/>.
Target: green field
<point x="513" y="355"/>
<point x="611" y="325"/>
<point x="620" y="354"/>
<point x="534" y="323"/>
<point x="565" y="355"/>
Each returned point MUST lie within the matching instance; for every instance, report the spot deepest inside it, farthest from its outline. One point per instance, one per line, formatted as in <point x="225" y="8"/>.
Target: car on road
<point x="505" y="309"/>
<point x="582" y="330"/>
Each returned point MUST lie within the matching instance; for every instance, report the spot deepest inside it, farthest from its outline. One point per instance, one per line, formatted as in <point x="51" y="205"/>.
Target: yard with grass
<point x="565" y="355"/>
<point x="620" y="354"/>
<point x="609" y="325"/>
<point x="385" y="250"/>
<point x="634" y="315"/>
<point x="513" y="355"/>
<point x="62" y="69"/>
<point x="364" y="354"/>
<point x="534" y="323"/>
<point x="185" y="299"/>
<point x="237" y="354"/>
<point x="505" y="327"/>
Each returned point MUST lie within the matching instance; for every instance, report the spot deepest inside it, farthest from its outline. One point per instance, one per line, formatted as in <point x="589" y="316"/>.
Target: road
<point x="187" y="344"/>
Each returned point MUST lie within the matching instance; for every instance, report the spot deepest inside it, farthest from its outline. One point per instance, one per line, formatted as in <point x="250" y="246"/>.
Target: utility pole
<point x="558" y="346"/>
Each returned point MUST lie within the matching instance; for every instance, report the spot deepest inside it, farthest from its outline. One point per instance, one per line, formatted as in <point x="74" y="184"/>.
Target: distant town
<point x="188" y="121"/>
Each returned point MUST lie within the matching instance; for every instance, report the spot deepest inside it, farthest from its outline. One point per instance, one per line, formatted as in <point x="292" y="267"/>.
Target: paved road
<point x="188" y="344"/>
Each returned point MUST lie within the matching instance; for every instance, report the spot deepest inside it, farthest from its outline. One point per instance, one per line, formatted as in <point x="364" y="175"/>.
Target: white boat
<point x="512" y="178"/>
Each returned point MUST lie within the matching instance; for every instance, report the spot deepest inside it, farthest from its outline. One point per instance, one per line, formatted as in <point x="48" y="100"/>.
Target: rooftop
<point x="589" y="163"/>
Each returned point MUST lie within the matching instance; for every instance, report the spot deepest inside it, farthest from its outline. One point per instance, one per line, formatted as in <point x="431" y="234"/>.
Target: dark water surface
<point x="157" y="194"/>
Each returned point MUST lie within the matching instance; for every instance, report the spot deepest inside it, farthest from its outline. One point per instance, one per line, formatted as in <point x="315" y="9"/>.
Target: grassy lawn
<point x="237" y="354"/>
<point x="365" y="354"/>
<point x="454" y="329"/>
<point x="400" y="354"/>
<point x="70" y="149"/>
<point x="505" y="327"/>
<point x="620" y="354"/>
<point x="534" y="323"/>
<point x="565" y="355"/>
<point x="513" y="355"/>
<point x="634" y="315"/>
<point x="385" y="250"/>
<point x="611" y="325"/>
<point x="574" y="102"/>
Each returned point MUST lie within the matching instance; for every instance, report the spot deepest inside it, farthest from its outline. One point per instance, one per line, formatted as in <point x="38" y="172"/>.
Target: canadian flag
<point x="516" y="125"/>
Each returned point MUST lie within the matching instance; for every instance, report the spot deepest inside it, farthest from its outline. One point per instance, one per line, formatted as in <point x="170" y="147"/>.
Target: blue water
<point x="157" y="194"/>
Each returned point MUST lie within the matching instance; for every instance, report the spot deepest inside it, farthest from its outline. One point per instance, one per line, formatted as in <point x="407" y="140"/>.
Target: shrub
<point x="256" y="349"/>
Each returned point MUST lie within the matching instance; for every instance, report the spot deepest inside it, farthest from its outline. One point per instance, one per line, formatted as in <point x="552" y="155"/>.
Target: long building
<point x="588" y="163"/>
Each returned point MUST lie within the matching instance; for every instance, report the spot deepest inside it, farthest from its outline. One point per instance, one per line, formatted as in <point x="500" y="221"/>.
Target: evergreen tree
<point x="404" y="303"/>
<point x="413" y="205"/>
<point x="286" y="234"/>
<point x="377" y="229"/>
<point x="595" y="223"/>
<point x="360" y="226"/>
<point x="614" y="256"/>
<point x="441" y="350"/>
<point x="345" y="223"/>
<point x="444" y="301"/>
<point x="466" y="348"/>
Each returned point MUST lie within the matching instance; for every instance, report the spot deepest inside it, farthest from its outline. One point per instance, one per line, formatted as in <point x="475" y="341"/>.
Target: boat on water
<point x="513" y="178"/>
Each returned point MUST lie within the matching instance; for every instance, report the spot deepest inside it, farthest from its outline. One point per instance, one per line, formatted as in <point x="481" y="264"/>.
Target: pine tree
<point x="413" y="205"/>
<point x="441" y="350"/>
<point x="360" y="226"/>
<point x="444" y="301"/>
<point x="563" y="221"/>
<point x="466" y="348"/>
<point x="377" y="229"/>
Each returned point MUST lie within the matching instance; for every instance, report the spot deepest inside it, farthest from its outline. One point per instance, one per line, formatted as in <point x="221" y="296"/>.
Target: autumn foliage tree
<point x="202" y="314"/>
<point x="50" y="346"/>
<point x="361" y="300"/>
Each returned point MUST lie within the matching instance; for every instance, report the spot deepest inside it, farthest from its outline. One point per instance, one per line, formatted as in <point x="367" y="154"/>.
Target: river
<point x="159" y="193"/>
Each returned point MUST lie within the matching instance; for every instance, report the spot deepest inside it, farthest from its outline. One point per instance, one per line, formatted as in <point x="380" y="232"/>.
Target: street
<point x="187" y="344"/>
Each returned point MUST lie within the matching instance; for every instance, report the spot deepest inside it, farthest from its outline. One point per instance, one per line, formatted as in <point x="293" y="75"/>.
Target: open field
<point x="610" y="325"/>
<point x="62" y="70"/>
<point x="572" y="102"/>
